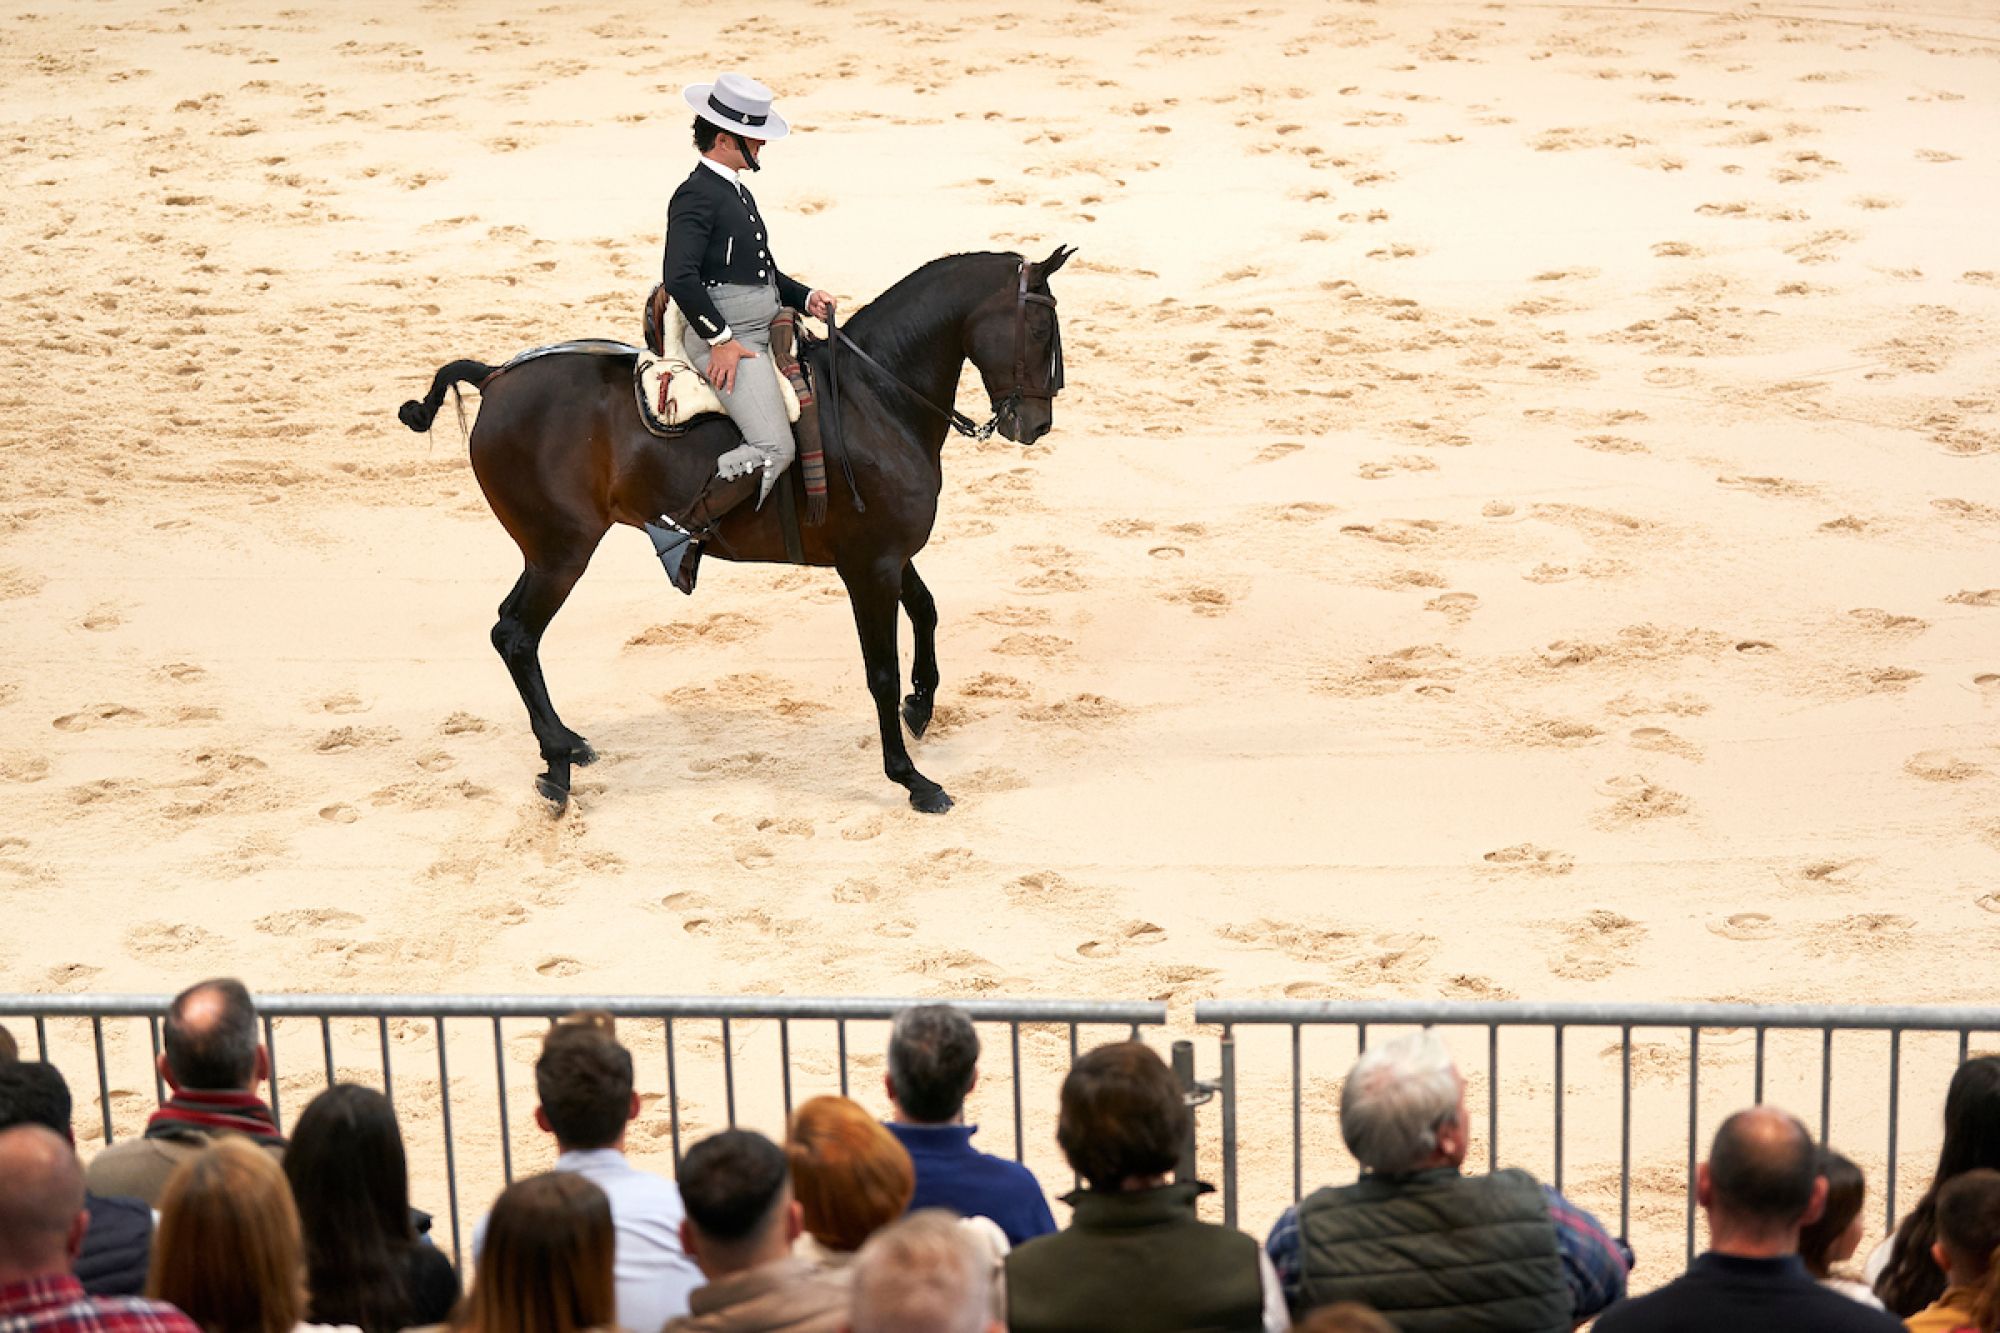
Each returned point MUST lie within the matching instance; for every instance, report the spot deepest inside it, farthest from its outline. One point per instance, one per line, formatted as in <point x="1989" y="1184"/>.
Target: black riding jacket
<point x="715" y="235"/>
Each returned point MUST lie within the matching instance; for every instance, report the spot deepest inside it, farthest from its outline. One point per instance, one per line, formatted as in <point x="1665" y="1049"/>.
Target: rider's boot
<point x="678" y="538"/>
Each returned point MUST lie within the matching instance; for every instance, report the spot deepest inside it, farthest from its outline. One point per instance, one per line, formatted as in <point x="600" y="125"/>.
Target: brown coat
<point x="788" y="1296"/>
<point x="138" y="1168"/>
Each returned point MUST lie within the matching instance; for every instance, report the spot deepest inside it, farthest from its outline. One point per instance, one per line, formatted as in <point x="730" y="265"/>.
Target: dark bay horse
<point x="561" y="455"/>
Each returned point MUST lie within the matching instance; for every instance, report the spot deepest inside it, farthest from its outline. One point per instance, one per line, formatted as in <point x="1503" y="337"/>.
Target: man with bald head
<point x="1759" y="1186"/>
<point x="42" y="1225"/>
<point x="212" y="1060"/>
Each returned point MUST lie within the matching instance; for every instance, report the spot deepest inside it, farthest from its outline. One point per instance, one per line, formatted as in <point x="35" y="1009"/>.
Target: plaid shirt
<point x="59" y="1305"/>
<point x="1594" y="1264"/>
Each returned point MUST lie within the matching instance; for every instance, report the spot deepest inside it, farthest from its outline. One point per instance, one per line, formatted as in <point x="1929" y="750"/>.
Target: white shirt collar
<point x="727" y="173"/>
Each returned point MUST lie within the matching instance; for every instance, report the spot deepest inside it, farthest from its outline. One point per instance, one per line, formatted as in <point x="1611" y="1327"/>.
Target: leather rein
<point x="963" y="424"/>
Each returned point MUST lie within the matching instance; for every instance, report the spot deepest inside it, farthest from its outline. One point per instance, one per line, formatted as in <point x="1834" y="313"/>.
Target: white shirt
<point x="653" y="1274"/>
<point x="729" y="174"/>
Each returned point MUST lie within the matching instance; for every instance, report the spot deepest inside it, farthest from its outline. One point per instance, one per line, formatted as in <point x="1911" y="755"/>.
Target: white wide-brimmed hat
<point x="737" y="103"/>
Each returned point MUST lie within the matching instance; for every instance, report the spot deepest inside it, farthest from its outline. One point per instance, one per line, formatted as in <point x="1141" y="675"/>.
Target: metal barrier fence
<point x="770" y="1050"/>
<point x="1868" y="1115"/>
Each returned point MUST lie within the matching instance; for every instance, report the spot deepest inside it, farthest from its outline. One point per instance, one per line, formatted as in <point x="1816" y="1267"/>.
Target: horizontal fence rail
<point x="441" y="1052"/>
<point x="1554" y="1072"/>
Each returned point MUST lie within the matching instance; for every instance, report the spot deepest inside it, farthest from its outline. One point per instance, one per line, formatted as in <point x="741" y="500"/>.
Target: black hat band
<point x="740" y="117"/>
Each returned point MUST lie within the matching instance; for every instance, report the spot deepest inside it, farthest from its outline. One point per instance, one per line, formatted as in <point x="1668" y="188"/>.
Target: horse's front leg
<point x="874" y="591"/>
<point x="923" y="615"/>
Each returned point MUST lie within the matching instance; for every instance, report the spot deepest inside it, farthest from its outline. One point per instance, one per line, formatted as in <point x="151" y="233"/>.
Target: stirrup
<point x="679" y="553"/>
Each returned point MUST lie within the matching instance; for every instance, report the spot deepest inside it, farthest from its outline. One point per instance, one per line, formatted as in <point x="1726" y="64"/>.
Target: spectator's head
<point x="1971" y="1139"/>
<point x="1760" y="1184"/>
<point x="42" y="1218"/>
<point x="850" y="1175"/>
<point x="1123" y="1118"/>
<point x="737" y="1189"/>
<point x="923" y="1274"/>
<point x="933" y="1063"/>
<point x="585" y="1080"/>
<point x="10" y="1050"/>
<point x="32" y="1092"/>
<point x="351" y="1183"/>
<point x="1968" y="1226"/>
<point x="1836" y="1235"/>
<point x="1402" y="1108"/>
<point x="546" y="1265"/>
<point x="227" y="1251"/>
<point x="209" y="1040"/>
<point x="1344" y="1317"/>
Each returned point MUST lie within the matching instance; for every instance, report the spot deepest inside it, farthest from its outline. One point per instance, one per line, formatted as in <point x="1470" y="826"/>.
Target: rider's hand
<point x="819" y="304"/>
<point x="722" y="363"/>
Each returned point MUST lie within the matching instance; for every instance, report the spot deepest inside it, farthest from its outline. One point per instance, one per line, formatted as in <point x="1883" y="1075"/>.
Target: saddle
<point x="672" y="395"/>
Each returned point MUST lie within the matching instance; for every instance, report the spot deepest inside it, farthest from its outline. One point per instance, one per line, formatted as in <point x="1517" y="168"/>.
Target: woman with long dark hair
<point x="546" y="1264"/>
<point x="1910" y="1279"/>
<point x="365" y="1263"/>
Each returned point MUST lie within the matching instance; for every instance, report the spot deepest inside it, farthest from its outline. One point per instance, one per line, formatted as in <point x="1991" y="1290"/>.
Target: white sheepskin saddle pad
<point x="672" y="392"/>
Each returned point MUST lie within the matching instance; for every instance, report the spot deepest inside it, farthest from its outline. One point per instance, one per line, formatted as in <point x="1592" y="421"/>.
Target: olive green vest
<point x="1136" y="1263"/>
<point x="1437" y="1252"/>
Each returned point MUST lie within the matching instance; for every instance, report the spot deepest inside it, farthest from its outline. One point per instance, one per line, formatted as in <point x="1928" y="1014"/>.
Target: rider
<point x="718" y="269"/>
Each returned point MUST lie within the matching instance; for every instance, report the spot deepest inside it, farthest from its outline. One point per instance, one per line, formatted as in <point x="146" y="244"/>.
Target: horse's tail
<point x="419" y="415"/>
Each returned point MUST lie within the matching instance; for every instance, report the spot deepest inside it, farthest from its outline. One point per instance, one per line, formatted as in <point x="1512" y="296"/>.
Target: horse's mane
<point x="909" y="311"/>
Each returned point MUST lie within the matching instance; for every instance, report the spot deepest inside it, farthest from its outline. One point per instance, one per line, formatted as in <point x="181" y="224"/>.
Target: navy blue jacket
<point x="116" y="1248"/>
<point x="953" y="1174"/>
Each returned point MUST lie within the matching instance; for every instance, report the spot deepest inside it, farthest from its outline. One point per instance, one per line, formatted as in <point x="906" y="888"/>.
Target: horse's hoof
<point x="918" y="715"/>
<point x="934" y="802"/>
<point x="581" y="754"/>
<point x="555" y="793"/>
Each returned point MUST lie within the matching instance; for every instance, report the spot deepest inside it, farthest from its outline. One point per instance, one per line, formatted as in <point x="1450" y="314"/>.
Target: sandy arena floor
<point x="1522" y="522"/>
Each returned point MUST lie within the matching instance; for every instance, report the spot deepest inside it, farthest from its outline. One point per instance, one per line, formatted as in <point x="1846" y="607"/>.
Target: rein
<point x="963" y="424"/>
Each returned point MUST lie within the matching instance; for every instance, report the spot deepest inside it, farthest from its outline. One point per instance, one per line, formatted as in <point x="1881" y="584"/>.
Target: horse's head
<point x="1013" y="339"/>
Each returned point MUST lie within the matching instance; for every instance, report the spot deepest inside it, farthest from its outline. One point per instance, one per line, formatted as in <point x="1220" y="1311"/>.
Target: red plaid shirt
<point x="59" y="1305"/>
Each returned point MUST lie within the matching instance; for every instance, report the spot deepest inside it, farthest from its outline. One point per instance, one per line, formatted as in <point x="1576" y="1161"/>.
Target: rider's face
<point x="736" y="150"/>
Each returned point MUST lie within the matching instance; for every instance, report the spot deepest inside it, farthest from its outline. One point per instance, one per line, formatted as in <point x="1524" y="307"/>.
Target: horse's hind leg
<point x="517" y="636"/>
<point x="922" y="610"/>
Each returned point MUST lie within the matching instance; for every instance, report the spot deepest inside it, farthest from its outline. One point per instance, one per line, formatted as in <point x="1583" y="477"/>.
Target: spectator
<point x="1135" y="1257"/>
<point x="548" y="1262"/>
<point x="10" y="1050"/>
<point x="849" y="1174"/>
<point x="1968" y="1229"/>
<point x="933" y="1067"/>
<point x="584" y="1077"/>
<point x="213" y="1062"/>
<point x="1345" y="1317"/>
<point x="228" y="1252"/>
<point x="923" y="1274"/>
<point x="120" y="1239"/>
<point x="1901" y="1268"/>
<point x="1760" y="1184"/>
<point x="365" y="1264"/>
<point x="42" y="1225"/>
<point x="1837" y="1234"/>
<point x="741" y="1223"/>
<point x="1496" y="1251"/>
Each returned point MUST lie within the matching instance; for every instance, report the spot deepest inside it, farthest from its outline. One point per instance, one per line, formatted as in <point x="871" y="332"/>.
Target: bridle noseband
<point x="1022" y="389"/>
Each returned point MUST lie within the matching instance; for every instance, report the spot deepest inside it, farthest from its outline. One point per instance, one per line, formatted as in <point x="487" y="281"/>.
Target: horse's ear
<point x="1056" y="260"/>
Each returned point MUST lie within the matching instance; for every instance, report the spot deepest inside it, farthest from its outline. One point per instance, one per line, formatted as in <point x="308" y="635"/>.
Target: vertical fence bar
<point x="1825" y="1082"/>
<point x="1014" y="1051"/>
<point x="271" y="1053"/>
<point x="159" y="1084"/>
<point x="1361" y="1039"/>
<point x="1559" y="1107"/>
<point x="326" y="1045"/>
<point x="42" y="1040"/>
<point x="1298" y="1122"/>
<point x="1492" y="1096"/>
<point x="1072" y="1043"/>
<point x="1964" y="1045"/>
<point x="840" y="1030"/>
<point x="450" y="1152"/>
<point x="1694" y="1116"/>
<point x="1183" y="1065"/>
<point x="1757" y="1094"/>
<point x="388" y="1082"/>
<point x="785" y="1062"/>
<point x="1895" y="1085"/>
<point x="500" y="1081"/>
<point x="1228" y="1125"/>
<point x="729" y="1074"/>
<point x="104" y="1078"/>
<point x="673" y="1097"/>
<point x="1625" y="1132"/>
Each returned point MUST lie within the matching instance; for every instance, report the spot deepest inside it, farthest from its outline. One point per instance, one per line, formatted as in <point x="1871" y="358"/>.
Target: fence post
<point x="1183" y="1063"/>
<point x="1228" y="1081"/>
